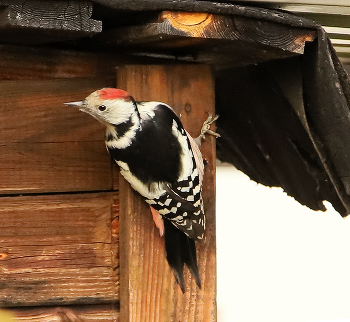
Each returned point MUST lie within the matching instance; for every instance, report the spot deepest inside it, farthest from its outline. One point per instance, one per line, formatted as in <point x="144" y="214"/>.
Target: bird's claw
<point x="206" y="127"/>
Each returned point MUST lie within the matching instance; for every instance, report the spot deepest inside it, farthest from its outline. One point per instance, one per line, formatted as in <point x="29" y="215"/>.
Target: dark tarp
<point x="286" y="122"/>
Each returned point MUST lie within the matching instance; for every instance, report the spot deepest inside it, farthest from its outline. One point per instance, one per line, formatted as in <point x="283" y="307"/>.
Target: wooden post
<point x="148" y="290"/>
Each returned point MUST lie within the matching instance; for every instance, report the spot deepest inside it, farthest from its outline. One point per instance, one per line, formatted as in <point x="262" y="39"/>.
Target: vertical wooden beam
<point x="148" y="289"/>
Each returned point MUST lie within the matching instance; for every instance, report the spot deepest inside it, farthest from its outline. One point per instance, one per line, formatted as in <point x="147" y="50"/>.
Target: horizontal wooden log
<point x="54" y="167"/>
<point x="40" y="63"/>
<point x="37" y="22"/>
<point x="83" y="313"/>
<point x="46" y="146"/>
<point x="33" y="112"/>
<point x="58" y="249"/>
<point x="218" y="39"/>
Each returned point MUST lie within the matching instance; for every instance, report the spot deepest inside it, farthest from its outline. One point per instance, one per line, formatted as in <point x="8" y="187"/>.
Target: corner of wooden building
<point x="76" y="242"/>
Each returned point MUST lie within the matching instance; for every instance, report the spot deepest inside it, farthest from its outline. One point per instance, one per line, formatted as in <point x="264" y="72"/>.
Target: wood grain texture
<point x="37" y="22"/>
<point x="33" y="112"/>
<point x="46" y="146"/>
<point x="209" y="38"/>
<point x="58" y="249"/>
<point x="54" y="167"/>
<point x="88" y="313"/>
<point x="148" y="289"/>
<point x="62" y="248"/>
<point x="23" y="62"/>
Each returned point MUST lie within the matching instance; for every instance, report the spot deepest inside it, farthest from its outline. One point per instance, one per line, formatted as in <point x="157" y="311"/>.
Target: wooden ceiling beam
<point x="209" y="38"/>
<point x="344" y="3"/>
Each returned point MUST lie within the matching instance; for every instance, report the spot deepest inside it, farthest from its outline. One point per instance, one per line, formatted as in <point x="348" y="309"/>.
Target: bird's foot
<point x="206" y="128"/>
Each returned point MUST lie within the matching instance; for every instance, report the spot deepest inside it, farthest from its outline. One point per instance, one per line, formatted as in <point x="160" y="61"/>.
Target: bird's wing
<point x="197" y="157"/>
<point x="182" y="205"/>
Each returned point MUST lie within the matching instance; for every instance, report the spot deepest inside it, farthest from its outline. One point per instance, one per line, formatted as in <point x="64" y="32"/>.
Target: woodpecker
<point x="162" y="162"/>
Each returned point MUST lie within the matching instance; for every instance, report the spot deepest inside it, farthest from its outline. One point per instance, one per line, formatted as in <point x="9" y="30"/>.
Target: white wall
<point x="278" y="261"/>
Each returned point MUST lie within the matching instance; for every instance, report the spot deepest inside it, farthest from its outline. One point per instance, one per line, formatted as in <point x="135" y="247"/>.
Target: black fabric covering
<point x="264" y="135"/>
<point x="311" y="163"/>
<point x="284" y="123"/>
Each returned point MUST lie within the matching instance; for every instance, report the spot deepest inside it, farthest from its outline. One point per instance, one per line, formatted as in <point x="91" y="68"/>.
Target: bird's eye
<point x="102" y="108"/>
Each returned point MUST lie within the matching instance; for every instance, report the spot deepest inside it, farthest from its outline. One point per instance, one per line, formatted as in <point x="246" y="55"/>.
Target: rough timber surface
<point x="58" y="214"/>
<point x="65" y="255"/>
<point x="82" y="313"/>
<point x="214" y="7"/>
<point x="23" y="62"/>
<point x="209" y="38"/>
<point x="37" y="22"/>
<point x="45" y="147"/>
<point x="148" y="290"/>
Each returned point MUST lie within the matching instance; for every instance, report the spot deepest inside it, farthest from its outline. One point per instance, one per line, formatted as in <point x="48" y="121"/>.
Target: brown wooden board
<point x="208" y="38"/>
<point x="54" y="167"/>
<point x="62" y="248"/>
<point x="37" y="22"/>
<point x="33" y="111"/>
<point x="23" y="62"/>
<point x="46" y="146"/>
<point x="148" y="289"/>
<point x="82" y="313"/>
<point x="58" y="249"/>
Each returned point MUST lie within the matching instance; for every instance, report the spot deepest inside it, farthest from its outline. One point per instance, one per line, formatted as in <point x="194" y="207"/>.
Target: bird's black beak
<point x="78" y="104"/>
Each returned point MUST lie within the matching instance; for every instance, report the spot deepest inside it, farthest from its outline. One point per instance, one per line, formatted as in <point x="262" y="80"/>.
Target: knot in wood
<point x="188" y="108"/>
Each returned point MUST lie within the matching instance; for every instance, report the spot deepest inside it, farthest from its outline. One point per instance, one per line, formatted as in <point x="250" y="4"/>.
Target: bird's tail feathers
<point x="180" y="250"/>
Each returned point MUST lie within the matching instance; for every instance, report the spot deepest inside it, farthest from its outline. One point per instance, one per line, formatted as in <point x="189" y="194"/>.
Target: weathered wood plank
<point x="37" y="22"/>
<point x="90" y="313"/>
<point x="148" y="289"/>
<point x="209" y="38"/>
<point x="40" y="63"/>
<point x="46" y="146"/>
<point x="58" y="249"/>
<point x="54" y="167"/>
<point x="42" y="101"/>
<point x="33" y="112"/>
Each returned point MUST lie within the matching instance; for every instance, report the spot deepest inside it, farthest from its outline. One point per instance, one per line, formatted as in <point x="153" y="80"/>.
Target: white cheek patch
<point x="117" y="112"/>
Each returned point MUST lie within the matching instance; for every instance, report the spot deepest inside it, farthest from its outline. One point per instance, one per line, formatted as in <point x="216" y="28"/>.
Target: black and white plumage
<point x="162" y="162"/>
